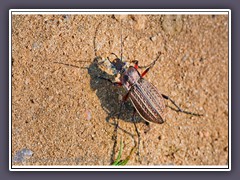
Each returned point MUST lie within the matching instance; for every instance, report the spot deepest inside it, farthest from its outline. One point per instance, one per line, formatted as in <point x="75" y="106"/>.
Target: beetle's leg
<point x="152" y="63"/>
<point x="124" y="99"/>
<point x="109" y="80"/>
<point x="109" y="60"/>
<point x="137" y="66"/>
<point x="179" y="109"/>
<point x="168" y="98"/>
<point x="115" y="55"/>
<point x="138" y="134"/>
<point x="150" y="66"/>
<point x="145" y="72"/>
<point x="120" y="109"/>
<point x="135" y="63"/>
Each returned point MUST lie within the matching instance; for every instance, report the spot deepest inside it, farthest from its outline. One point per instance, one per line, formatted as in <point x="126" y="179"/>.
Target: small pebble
<point x="88" y="115"/>
<point x="22" y="155"/>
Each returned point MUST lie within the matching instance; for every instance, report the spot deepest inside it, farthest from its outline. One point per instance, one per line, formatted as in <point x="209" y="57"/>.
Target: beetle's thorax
<point x="129" y="77"/>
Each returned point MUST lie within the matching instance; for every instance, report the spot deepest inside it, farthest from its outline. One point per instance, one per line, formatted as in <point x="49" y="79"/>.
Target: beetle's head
<point x="119" y="65"/>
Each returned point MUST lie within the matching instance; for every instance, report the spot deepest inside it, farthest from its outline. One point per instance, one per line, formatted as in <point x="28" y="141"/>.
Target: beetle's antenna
<point x="71" y="65"/>
<point x="94" y="39"/>
<point x="121" y="41"/>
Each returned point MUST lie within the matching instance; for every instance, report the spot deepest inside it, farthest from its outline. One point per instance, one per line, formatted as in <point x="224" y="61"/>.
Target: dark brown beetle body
<point x="144" y="96"/>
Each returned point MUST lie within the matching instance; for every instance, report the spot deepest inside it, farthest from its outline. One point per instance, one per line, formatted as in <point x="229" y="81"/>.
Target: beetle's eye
<point x="125" y="77"/>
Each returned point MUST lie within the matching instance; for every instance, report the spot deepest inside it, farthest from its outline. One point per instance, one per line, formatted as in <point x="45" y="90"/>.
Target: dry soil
<point x="62" y="114"/>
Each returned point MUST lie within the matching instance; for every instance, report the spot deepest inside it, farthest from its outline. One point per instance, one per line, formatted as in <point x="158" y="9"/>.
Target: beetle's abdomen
<point x="148" y="102"/>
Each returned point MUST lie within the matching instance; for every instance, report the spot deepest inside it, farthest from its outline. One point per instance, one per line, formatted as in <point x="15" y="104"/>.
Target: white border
<point x="119" y="11"/>
<point x="229" y="89"/>
<point x="116" y="11"/>
<point x="123" y="168"/>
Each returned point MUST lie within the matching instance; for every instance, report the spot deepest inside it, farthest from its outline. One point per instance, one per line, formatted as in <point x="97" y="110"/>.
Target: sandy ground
<point x="64" y="115"/>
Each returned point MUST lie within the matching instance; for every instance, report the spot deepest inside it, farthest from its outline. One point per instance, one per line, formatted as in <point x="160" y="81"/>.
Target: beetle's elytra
<point x="145" y="97"/>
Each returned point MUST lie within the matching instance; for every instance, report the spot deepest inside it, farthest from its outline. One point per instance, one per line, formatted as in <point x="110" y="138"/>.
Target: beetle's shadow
<point x="108" y="94"/>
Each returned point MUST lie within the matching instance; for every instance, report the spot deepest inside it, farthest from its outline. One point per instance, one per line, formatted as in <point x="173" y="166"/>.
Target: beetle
<point x="145" y="97"/>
